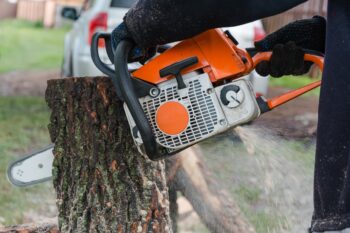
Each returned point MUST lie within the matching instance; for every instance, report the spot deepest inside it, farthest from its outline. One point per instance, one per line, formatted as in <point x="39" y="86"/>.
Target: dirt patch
<point x="26" y="83"/>
<point x="296" y="119"/>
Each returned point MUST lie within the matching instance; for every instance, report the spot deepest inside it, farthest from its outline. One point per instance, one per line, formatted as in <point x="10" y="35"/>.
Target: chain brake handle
<point x="95" y="55"/>
<point x="312" y="56"/>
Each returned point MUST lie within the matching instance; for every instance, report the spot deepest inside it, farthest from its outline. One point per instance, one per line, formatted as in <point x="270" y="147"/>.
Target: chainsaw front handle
<point x="311" y="56"/>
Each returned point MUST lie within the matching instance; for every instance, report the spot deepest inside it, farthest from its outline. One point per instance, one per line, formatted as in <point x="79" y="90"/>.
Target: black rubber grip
<point x="124" y="80"/>
<point x="103" y="67"/>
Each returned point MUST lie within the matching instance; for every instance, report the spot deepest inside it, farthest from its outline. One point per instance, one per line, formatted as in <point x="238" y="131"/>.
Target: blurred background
<point x="267" y="166"/>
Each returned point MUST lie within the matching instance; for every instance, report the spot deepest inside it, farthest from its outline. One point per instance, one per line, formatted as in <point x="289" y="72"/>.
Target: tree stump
<point x="103" y="184"/>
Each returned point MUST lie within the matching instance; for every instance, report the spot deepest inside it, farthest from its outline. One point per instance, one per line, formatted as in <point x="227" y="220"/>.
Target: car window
<point x="123" y="3"/>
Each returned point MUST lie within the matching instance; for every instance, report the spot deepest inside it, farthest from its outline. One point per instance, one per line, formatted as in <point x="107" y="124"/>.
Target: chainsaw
<point x="186" y="94"/>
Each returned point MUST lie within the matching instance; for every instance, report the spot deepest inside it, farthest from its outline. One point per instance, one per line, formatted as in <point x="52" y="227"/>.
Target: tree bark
<point x="103" y="184"/>
<point x="31" y="228"/>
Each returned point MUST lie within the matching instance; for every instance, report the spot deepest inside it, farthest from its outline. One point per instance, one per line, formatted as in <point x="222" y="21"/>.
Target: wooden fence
<point x="7" y="9"/>
<point x="42" y="10"/>
<point x="32" y="10"/>
<point x="306" y="10"/>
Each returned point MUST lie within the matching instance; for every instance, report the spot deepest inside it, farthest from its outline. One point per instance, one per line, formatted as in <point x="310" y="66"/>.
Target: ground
<point x="270" y="175"/>
<point x="26" y="46"/>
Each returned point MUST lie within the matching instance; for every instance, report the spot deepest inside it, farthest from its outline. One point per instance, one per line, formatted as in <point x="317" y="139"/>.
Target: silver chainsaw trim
<point x="32" y="169"/>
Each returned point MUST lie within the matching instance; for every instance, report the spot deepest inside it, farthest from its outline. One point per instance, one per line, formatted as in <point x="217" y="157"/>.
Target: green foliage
<point x="29" y="46"/>
<point x="23" y="124"/>
<point x="267" y="222"/>
<point x="249" y="194"/>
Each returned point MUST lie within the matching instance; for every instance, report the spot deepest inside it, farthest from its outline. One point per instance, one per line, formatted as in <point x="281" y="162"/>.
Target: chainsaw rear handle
<point x="311" y="56"/>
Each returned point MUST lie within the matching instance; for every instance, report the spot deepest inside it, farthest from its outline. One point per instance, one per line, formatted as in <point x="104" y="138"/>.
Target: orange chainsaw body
<point x="191" y="91"/>
<point x="221" y="59"/>
<point x="217" y="56"/>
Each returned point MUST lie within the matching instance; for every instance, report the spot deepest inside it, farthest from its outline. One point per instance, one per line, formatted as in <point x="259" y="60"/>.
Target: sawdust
<point x="272" y="173"/>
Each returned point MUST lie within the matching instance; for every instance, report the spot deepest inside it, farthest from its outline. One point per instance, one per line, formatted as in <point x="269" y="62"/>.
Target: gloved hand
<point x="137" y="53"/>
<point x="287" y="46"/>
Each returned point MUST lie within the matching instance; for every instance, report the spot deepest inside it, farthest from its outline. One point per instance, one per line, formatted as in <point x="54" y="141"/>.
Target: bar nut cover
<point x="172" y="118"/>
<point x="232" y="96"/>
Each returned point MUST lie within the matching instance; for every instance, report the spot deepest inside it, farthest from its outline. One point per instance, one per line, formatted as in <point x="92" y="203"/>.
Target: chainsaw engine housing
<point x="196" y="112"/>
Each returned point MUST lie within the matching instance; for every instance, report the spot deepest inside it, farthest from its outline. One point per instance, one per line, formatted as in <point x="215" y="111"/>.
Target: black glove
<point x="287" y="46"/>
<point x="137" y="53"/>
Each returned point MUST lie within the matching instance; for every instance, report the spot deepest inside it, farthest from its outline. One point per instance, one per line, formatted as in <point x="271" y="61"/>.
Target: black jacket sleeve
<point x="154" y="22"/>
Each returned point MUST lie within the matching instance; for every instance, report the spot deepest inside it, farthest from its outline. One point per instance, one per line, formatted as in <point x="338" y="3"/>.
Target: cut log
<point x="103" y="184"/>
<point x="217" y="210"/>
<point x="31" y="228"/>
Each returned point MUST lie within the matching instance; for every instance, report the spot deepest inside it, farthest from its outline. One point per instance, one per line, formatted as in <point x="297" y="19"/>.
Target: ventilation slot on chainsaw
<point x="200" y="106"/>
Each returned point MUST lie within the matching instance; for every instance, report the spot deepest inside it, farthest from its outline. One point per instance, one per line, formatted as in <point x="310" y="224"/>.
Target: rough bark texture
<point x="209" y="199"/>
<point x="102" y="183"/>
<point x="186" y="173"/>
<point x="31" y="228"/>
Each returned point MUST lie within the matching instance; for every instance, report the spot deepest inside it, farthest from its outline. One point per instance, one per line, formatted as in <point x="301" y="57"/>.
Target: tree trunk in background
<point x="217" y="210"/>
<point x="102" y="183"/>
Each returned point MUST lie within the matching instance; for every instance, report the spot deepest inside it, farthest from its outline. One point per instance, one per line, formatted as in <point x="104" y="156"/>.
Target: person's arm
<point x="155" y="22"/>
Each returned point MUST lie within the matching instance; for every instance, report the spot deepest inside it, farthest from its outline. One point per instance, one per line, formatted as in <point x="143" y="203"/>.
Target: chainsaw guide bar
<point x="32" y="169"/>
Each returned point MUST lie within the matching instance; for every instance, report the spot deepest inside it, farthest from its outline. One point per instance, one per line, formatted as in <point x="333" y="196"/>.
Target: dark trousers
<point x="332" y="168"/>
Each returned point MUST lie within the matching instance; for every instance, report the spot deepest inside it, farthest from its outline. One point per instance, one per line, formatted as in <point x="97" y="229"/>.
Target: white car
<point x="95" y="15"/>
<point x="105" y="15"/>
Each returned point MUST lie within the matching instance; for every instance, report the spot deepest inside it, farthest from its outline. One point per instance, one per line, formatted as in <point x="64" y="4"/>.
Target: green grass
<point x="29" y="46"/>
<point x="23" y="124"/>
<point x="294" y="82"/>
<point x="235" y="168"/>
